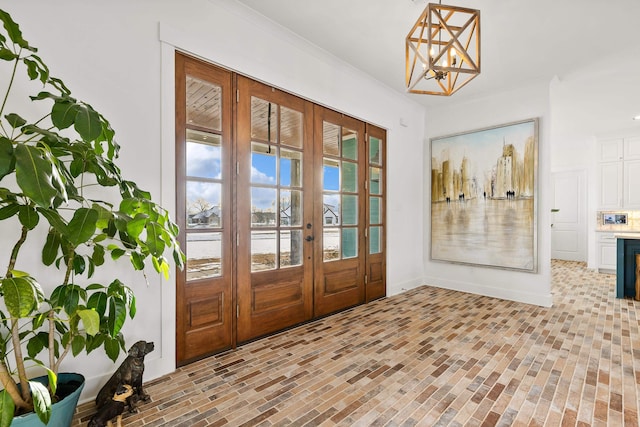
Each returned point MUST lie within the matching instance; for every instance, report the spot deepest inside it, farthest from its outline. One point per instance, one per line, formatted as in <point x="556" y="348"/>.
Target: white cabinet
<point x="619" y="173"/>
<point x="611" y="177"/>
<point x="607" y="258"/>
<point x="610" y="150"/>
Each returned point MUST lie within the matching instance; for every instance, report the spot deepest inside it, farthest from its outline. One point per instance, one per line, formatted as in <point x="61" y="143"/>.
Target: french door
<point x="339" y="212"/>
<point x="204" y="298"/>
<point x="280" y="203"/>
<point x="274" y="197"/>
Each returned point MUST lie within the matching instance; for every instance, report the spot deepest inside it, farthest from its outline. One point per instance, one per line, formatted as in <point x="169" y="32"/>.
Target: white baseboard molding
<point x="543" y="300"/>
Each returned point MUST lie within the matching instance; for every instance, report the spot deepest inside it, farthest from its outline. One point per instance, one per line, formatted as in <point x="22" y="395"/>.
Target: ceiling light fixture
<point x="443" y="50"/>
<point x="637" y="117"/>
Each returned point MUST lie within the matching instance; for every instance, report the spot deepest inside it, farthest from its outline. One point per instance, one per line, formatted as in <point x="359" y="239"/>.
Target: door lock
<point x="309" y="238"/>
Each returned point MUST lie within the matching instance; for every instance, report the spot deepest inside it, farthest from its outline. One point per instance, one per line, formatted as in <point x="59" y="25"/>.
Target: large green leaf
<point x="13" y="30"/>
<point x="53" y="381"/>
<point x="19" y="296"/>
<point x="98" y="255"/>
<point x="33" y="174"/>
<point x="77" y="345"/>
<point x="116" y="253"/>
<point x="15" y="121"/>
<point x="9" y="211"/>
<point x="28" y="217"/>
<point x="33" y="71"/>
<point x="117" y="316"/>
<point x="7" y="159"/>
<point x="82" y="226"/>
<point x="37" y="343"/>
<point x="98" y="302"/>
<point x="112" y="348"/>
<point x="137" y="260"/>
<point x="136" y="225"/>
<point x="63" y="113"/>
<point x="7" y="408"/>
<point x="154" y="239"/>
<point x="41" y="401"/>
<point x="72" y="299"/>
<point x="7" y="55"/>
<point x="90" y="320"/>
<point x="87" y="123"/>
<point x="50" y="248"/>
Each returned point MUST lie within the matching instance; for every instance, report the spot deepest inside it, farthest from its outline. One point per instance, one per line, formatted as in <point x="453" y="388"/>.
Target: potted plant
<point x="59" y="186"/>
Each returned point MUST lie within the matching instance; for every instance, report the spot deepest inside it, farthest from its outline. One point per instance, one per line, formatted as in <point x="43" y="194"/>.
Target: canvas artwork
<point x="483" y="197"/>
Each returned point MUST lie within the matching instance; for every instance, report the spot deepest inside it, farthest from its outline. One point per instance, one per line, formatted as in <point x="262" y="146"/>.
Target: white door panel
<point x="568" y="222"/>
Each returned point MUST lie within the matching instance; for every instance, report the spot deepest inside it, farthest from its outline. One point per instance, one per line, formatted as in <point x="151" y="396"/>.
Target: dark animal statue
<point x="129" y="372"/>
<point x="112" y="409"/>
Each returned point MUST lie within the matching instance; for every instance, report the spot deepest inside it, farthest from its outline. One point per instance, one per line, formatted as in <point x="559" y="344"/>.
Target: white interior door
<point x="568" y="218"/>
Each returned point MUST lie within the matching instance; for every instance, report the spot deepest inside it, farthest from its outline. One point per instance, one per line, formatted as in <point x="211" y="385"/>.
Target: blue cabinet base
<point x="626" y="251"/>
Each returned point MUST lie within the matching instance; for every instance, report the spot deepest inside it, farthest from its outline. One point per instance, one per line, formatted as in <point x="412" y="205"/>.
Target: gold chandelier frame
<point x="443" y="50"/>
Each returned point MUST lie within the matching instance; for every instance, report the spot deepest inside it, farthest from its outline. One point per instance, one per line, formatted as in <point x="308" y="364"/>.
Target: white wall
<point x="593" y="102"/>
<point x="511" y="106"/>
<point x="118" y="56"/>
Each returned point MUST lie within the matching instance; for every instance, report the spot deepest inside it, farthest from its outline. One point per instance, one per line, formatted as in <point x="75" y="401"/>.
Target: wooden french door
<point x="275" y="209"/>
<point x="376" y="189"/>
<point x="339" y="211"/>
<point x="204" y="307"/>
<point x="280" y="203"/>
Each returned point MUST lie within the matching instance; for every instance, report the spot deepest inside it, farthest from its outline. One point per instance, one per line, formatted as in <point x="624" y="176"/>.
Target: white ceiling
<point x="523" y="41"/>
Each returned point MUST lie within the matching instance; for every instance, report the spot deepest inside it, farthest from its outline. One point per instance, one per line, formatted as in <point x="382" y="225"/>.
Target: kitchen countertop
<point x="627" y="235"/>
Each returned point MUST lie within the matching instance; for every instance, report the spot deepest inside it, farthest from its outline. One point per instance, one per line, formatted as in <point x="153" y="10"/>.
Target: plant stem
<point x="53" y="363"/>
<point x="6" y="95"/>
<point x="15" y="250"/>
<point x="10" y="385"/>
<point x="52" y="341"/>
<point x="17" y="353"/>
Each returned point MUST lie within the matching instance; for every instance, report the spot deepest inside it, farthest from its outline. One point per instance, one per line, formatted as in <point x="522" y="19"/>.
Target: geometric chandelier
<point x="443" y="50"/>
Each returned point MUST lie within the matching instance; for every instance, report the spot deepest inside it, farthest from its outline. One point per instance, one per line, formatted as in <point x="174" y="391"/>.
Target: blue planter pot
<point x="70" y="386"/>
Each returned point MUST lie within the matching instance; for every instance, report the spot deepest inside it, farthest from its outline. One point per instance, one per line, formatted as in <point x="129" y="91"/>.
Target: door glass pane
<point x="264" y="120"/>
<point x="331" y="244"/>
<point x="204" y="155"/>
<point x="375" y="240"/>
<point x="263" y="250"/>
<point x="375" y="180"/>
<point x="263" y="163"/>
<point x="350" y="177"/>
<point x="375" y="155"/>
<point x="204" y="103"/>
<point x="290" y="248"/>
<point x="291" y="127"/>
<point x="263" y="207"/>
<point x="203" y="255"/>
<point x="331" y="175"/>
<point x="349" y="144"/>
<point x="331" y="209"/>
<point x="290" y="168"/>
<point x="349" y="242"/>
<point x="375" y="210"/>
<point x="204" y="205"/>
<point x="330" y="139"/>
<point x="291" y="208"/>
<point x="350" y="210"/>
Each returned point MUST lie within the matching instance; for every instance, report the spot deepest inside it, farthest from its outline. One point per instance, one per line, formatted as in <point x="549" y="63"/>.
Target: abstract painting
<point x="483" y="196"/>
